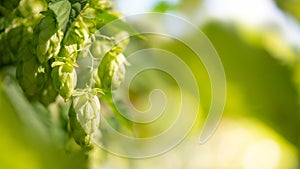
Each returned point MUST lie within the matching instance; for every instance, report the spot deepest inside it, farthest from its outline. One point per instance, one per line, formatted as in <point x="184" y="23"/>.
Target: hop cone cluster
<point x="45" y="52"/>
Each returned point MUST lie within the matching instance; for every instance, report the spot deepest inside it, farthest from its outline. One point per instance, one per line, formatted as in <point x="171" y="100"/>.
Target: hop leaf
<point x="61" y="9"/>
<point x="7" y="56"/>
<point x="30" y="74"/>
<point x="48" y="93"/>
<point x="34" y="77"/>
<point x="14" y="39"/>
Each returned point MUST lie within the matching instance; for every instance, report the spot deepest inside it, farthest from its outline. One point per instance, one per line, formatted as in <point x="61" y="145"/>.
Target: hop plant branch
<point x="44" y="48"/>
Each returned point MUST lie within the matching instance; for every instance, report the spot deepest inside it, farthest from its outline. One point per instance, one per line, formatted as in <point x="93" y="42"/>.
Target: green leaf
<point x="7" y="57"/>
<point x="61" y="9"/>
<point x="290" y="6"/>
<point x="30" y="73"/>
<point x="265" y="85"/>
<point x="164" y="6"/>
<point x="3" y="24"/>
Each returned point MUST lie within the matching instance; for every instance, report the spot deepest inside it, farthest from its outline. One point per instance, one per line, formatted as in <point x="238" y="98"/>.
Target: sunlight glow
<point x="259" y="13"/>
<point x="130" y="7"/>
<point x="262" y="154"/>
<point x="251" y="11"/>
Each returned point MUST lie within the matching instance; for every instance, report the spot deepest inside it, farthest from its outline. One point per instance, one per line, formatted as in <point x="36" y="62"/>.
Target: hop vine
<point x="46" y="57"/>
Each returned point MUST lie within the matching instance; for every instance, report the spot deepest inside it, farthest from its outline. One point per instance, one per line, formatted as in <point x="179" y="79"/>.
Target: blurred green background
<point x="258" y="42"/>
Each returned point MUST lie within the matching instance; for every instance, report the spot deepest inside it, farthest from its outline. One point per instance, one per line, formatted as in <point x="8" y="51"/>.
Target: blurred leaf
<point x="189" y="7"/>
<point x="164" y="6"/>
<point x="22" y="145"/>
<point x="265" y="83"/>
<point x="7" y="6"/>
<point x="290" y="6"/>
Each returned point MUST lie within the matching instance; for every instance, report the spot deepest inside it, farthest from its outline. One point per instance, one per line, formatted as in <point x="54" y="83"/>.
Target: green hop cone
<point x="64" y="79"/>
<point x="86" y="24"/>
<point x="111" y="70"/>
<point x="47" y="37"/>
<point x="103" y="5"/>
<point x="74" y="41"/>
<point x="99" y="48"/>
<point x="85" y="118"/>
<point x="45" y="50"/>
<point x="87" y="107"/>
<point x="78" y="133"/>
